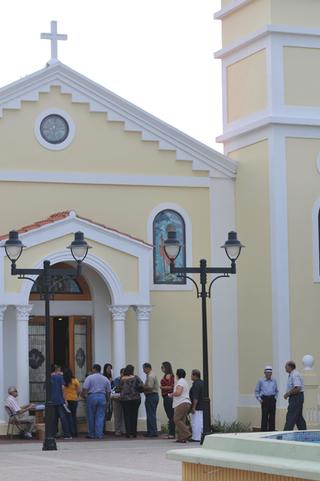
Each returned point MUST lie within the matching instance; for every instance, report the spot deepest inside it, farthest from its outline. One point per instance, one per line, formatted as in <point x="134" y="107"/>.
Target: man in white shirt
<point x="295" y="394"/>
<point x="26" y="421"/>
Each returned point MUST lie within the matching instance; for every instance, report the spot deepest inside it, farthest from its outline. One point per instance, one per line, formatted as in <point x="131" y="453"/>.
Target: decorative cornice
<point x="83" y="90"/>
<point x="266" y="121"/>
<point x="263" y="32"/>
<point x="231" y="8"/>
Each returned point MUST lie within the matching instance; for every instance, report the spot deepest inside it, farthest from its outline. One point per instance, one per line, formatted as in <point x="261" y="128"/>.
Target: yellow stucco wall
<point x="186" y="319"/>
<point x="125" y="208"/>
<point x="245" y="20"/>
<point x="247" y="86"/>
<point x="304" y="293"/>
<point x="99" y="146"/>
<point x="125" y="265"/>
<point x="259" y="13"/>
<point x="302" y="76"/>
<point x="303" y="14"/>
<point x="254" y="280"/>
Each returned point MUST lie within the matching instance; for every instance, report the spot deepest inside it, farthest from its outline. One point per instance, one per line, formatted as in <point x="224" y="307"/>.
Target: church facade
<point x="76" y="157"/>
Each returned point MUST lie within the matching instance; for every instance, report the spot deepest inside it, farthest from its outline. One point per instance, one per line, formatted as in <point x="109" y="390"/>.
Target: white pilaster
<point x="279" y="241"/>
<point x="22" y="313"/>
<point x="119" y="337"/>
<point x="2" y="392"/>
<point x="223" y="371"/>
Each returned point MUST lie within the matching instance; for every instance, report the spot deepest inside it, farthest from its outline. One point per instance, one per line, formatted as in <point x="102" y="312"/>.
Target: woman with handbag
<point x="107" y="372"/>
<point x="130" y="388"/>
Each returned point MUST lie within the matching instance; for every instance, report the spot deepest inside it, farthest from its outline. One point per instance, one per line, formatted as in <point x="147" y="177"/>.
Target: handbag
<point x="139" y="385"/>
<point x="108" y="410"/>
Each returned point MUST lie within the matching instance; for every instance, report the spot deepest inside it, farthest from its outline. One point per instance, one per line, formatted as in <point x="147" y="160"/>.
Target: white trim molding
<point x="232" y="7"/>
<point x="272" y="39"/>
<point x="83" y="90"/>
<point x="102" y="178"/>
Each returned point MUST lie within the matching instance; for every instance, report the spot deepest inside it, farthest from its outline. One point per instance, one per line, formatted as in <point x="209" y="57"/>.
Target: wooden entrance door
<point x="70" y="346"/>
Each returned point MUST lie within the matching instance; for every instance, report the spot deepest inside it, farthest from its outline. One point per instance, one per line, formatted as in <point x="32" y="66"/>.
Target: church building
<point x="77" y="157"/>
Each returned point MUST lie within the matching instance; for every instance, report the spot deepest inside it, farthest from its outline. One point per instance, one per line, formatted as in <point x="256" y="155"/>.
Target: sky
<point x="158" y="54"/>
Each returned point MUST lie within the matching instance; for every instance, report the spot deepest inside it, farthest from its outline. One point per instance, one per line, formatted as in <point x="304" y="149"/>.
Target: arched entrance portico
<point x="110" y="294"/>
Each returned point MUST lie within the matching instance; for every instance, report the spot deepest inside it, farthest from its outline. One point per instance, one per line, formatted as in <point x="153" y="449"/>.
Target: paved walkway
<point x="108" y="460"/>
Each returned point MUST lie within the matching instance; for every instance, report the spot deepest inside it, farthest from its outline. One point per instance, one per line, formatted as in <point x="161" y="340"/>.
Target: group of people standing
<point x="266" y="393"/>
<point x="121" y="397"/>
<point x="125" y="393"/>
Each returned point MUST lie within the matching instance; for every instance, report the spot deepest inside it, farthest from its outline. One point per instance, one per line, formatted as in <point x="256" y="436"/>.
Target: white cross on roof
<point x="54" y="36"/>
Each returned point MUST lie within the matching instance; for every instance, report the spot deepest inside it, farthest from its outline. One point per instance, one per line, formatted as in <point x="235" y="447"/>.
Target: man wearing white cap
<point x="266" y="393"/>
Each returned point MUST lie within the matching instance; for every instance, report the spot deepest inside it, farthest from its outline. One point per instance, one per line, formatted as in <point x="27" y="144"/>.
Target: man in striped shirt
<point x="27" y="422"/>
<point x="295" y="396"/>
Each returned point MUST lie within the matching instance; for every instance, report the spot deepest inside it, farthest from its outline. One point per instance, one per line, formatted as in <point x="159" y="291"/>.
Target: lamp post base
<point x="49" y="444"/>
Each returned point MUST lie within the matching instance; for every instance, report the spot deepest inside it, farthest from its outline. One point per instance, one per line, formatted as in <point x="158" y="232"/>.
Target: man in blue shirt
<point x="266" y="393"/>
<point x="57" y="399"/>
<point x="96" y="388"/>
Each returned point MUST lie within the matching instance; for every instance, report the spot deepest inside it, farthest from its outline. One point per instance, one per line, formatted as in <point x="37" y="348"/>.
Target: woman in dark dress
<point x="130" y="388"/>
<point x="166" y="386"/>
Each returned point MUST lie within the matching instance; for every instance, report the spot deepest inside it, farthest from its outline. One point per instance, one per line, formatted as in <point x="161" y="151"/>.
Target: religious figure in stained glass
<point x="161" y="263"/>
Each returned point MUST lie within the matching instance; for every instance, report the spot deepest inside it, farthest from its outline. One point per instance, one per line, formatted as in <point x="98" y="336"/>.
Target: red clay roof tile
<point x="63" y="215"/>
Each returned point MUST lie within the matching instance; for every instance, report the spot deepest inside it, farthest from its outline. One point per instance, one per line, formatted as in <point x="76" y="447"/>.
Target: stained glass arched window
<point x="62" y="285"/>
<point x="161" y="264"/>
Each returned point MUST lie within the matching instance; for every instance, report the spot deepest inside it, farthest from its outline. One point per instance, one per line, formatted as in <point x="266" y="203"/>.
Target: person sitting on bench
<point x="26" y="422"/>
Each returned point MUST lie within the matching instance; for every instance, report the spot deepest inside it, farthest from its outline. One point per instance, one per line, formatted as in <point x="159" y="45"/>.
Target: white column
<point x="2" y="393"/>
<point x="119" y="337"/>
<point x="22" y="313"/>
<point x="143" y="318"/>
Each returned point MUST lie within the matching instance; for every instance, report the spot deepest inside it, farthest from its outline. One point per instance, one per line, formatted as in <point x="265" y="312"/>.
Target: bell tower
<point x="271" y="124"/>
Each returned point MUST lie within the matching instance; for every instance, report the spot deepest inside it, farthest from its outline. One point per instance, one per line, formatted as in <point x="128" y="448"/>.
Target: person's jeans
<point x="151" y="404"/>
<point x="73" y="405"/>
<point x="167" y="404"/>
<point x="96" y="407"/>
<point x="294" y="413"/>
<point x="61" y="413"/>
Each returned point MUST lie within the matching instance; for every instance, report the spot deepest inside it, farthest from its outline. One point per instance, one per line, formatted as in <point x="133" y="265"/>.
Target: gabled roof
<point x="117" y="109"/>
<point x="60" y="216"/>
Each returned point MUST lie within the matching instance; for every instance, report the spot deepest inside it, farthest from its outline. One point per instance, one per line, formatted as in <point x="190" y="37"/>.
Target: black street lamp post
<point x="172" y="249"/>
<point x="50" y="278"/>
